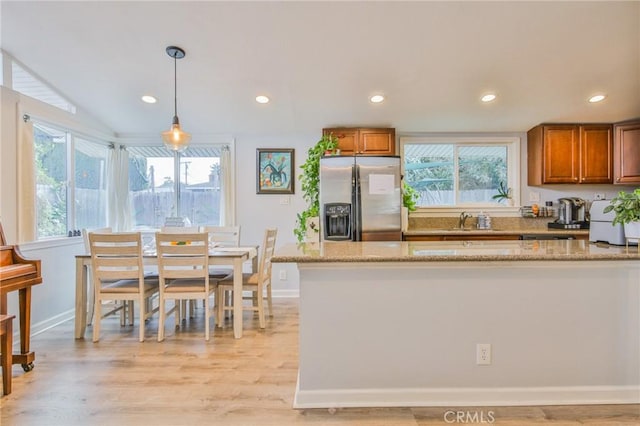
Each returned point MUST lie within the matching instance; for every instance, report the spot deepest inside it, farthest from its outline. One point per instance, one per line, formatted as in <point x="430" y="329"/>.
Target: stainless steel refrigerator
<point x="360" y="198"/>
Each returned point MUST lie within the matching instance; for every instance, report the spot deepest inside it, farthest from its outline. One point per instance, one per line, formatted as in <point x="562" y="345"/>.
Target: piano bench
<point x="6" y="343"/>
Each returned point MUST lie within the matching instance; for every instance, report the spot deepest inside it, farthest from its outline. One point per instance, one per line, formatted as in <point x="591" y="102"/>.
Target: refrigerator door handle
<point x="355" y="213"/>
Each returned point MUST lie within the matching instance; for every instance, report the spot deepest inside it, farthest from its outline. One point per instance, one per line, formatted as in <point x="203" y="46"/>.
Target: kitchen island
<point x="399" y="323"/>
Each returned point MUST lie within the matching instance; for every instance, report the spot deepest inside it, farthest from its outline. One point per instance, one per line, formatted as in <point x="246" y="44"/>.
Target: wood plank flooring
<point x="186" y="381"/>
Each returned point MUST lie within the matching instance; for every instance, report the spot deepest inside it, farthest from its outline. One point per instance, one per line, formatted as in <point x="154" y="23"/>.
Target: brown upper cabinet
<point x="626" y="152"/>
<point x="364" y="141"/>
<point x="570" y="153"/>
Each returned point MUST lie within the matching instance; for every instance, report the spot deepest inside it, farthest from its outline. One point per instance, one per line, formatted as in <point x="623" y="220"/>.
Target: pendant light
<point x="175" y="139"/>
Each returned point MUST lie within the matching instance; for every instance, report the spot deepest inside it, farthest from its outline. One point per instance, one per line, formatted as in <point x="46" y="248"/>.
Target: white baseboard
<point x="42" y="326"/>
<point x="464" y="397"/>
<point x="285" y="293"/>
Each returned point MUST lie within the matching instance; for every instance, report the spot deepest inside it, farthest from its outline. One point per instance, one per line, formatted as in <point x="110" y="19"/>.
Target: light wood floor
<point x="185" y="381"/>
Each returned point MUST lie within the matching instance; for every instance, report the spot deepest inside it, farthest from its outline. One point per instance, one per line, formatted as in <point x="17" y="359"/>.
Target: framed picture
<point x="275" y="171"/>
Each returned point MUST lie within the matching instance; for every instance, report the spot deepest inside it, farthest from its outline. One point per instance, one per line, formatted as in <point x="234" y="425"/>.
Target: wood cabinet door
<point x="627" y="153"/>
<point x="347" y="139"/>
<point x="377" y="142"/>
<point x="359" y="141"/>
<point x="596" y="148"/>
<point x="561" y="154"/>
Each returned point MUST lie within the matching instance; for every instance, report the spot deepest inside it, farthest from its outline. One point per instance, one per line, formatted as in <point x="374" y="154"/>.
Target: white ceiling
<point x="320" y="61"/>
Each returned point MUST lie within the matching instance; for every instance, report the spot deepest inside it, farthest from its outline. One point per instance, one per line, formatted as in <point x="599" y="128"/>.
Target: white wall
<point x="255" y="212"/>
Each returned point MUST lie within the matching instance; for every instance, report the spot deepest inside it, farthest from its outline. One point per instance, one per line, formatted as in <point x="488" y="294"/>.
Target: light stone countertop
<point x="496" y="231"/>
<point x="438" y="251"/>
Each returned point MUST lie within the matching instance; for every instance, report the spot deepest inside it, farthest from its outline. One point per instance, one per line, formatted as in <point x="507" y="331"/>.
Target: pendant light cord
<point x="175" y="84"/>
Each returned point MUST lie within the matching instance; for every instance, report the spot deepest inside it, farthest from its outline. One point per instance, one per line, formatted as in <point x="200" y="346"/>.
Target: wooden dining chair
<point x="222" y="236"/>
<point x="109" y="307"/>
<point x="183" y="266"/>
<point x="257" y="282"/>
<point x="118" y="274"/>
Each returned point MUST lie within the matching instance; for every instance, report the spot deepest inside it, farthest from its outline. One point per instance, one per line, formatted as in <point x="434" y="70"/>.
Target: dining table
<point x="234" y="256"/>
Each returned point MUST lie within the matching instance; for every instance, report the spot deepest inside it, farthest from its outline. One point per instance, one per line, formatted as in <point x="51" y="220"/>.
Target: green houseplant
<point x="626" y="206"/>
<point x="409" y="196"/>
<point x="504" y="193"/>
<point x="310" y="183"/>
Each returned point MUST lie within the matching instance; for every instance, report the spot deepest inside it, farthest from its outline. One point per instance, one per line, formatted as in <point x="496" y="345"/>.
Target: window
<point x="70" y="182"/>
<point x="27" y="84"/>
<point x="460" y="171"/>
<point x="152" y="186"/>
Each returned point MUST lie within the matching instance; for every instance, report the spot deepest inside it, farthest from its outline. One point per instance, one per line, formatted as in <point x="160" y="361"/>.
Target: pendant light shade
<point x="175" y="139"/>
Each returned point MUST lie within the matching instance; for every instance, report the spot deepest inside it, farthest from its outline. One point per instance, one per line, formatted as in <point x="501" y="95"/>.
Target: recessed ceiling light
<point x="596" y="98"/>
<point x="488" y="97"/>
<point x="376" y="99"/>
<point x="262" y="99"/>
<point x="149" y="99"/>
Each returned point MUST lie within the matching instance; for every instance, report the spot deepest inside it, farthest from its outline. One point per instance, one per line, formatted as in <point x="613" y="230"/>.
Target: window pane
<point x="480" y="171"/>
<point x="151" y="186"/>
<point x="26" y="83"/>
<point x="429" y="169"/>
<point x="51" y="181"/>
<point x="90" y="184"/>
<point x="200" y="186"/>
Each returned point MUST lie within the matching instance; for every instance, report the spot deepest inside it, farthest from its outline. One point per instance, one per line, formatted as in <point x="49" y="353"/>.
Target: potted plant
<point x="626" y="206"/>
<point x="409" y="198"/>
<point x="310" y="186"/>
<point x="504" y="194"/>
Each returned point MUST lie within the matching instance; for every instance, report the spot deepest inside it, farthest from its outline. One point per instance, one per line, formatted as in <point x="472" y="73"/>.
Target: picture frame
<point x="275" y="171"/>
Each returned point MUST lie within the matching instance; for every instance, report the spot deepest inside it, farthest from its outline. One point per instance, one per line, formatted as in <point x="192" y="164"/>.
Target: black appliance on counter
<point x="571" y="214"/>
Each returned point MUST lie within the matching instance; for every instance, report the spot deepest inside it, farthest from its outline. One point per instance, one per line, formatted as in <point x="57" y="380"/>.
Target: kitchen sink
<point x="468" y="229"/>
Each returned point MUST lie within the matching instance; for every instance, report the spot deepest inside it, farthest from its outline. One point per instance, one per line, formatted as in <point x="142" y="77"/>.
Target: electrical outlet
<point x="598" y="196"/>
<point x="284" y="200"/>
<point x="283" y="274"/>
<point x="483" y="354"/>
<point x="534" y="196"/>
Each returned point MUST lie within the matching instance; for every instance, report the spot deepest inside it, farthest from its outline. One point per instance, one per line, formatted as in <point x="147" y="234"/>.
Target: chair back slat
<point x="182" y="255"/>
<point x="268" y="248"/>
<point x="116" y="256"/>
<point x="224" y="236"/>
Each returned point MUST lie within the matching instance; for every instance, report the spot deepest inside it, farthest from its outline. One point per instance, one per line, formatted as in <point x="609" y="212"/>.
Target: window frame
<point x="512" y="144"/>
<point x="70" y="136"/>
<point x="142" y="149"/>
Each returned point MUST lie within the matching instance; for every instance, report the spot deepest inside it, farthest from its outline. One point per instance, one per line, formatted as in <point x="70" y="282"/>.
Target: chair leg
<point x="98" y="316"/>
<point x="260" y="300"/>
<point x="206" y="317"/>
<point x="161" y="314"/>
<point x="220" y="307"/>
<point x="141" y="304"/>
<point x="90" y="298"/>
<point x="131" y="311"/>
<point x="269" y="300"/>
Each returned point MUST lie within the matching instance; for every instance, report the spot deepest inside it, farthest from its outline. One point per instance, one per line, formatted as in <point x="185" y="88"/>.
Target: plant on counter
<point x="310" y="183"/>
<point x="504" y="193"/>
<point x="626" y="206"/>
<point x="409" y="196"/>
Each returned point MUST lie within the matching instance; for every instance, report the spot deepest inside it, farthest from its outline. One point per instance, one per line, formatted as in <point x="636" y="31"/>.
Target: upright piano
<point x="19" y="274"/>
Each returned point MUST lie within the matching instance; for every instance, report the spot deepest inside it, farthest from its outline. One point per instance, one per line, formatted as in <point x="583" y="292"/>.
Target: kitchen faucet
<point x="463" y="218"/>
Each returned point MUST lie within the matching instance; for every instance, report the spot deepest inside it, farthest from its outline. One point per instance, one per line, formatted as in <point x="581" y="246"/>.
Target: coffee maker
<point x="571" y="214"/>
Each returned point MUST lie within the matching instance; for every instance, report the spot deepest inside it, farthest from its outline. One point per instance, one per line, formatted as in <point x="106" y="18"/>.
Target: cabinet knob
<point x="618" y="180"/>
<point x="575" y="178"/>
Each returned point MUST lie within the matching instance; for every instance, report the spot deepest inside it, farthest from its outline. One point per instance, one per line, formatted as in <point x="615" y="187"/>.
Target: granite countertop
<point x="495" y="231"/>
<point x="431" y="251"/>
